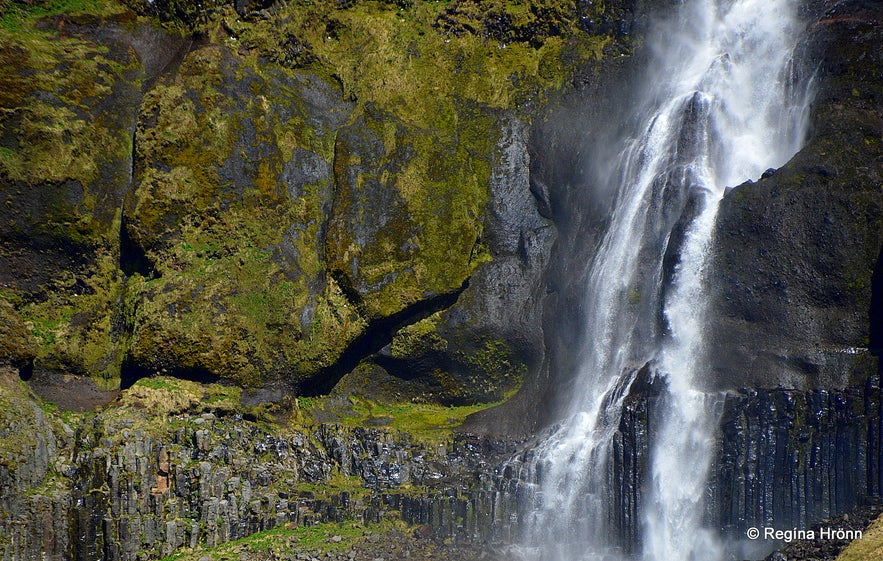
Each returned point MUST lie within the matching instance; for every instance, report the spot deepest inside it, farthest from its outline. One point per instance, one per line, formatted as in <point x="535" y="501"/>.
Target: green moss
<point x="334" y="485"/>
<point x="70" y="152"/>
<point x="212" y="209"/>
<point x="416" y="61"/>
<point x="428" y="423"/>
<point x="74" y="327"/>
<point x="17" y="345"/>
<point x="240" y="286"/>
<point x="23" y="424"/>
<point x="426" y="239"/>
<point x="226" y="306"/>
<point x="61" y="136"/>
<point x="423" y="91"/>
<point x="418" y="339"/>
<point x="18" y="16"/>
<point x="155" y="405"/>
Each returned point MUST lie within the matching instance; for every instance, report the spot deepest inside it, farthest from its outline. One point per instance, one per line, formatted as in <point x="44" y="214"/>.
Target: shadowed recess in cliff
<point x="133" y="258"/>
<point x="376" y="335"/>
<point x="131" y="372"/>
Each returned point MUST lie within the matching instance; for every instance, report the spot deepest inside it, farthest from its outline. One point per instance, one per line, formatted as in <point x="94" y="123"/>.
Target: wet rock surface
<point x="796" y="290"/>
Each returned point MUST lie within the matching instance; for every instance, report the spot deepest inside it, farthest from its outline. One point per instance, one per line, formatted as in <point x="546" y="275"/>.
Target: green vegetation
<point x="427" y="422"/>
<point x="69" y="151"/>
<point x="252" y="275"/>
<point x="20" y="16"/>
<point x="213" y="212"/>
<point x="161" y="391"/>
<point x="426" y="239"/>
<point x="17" y="346"/>
<point x="419" y="60"/>
<point x="335" y="485"/>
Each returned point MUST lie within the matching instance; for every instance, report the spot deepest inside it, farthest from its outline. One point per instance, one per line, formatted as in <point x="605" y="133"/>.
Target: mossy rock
<point x="233" y="176"/>
<point x="17" y="345"/>
<point x="453" y="366"/>
<point x="408" y="208"/>
<point x="69" y="92"/>
<point x="251" y="177"/>
<point x="69" y="105"/>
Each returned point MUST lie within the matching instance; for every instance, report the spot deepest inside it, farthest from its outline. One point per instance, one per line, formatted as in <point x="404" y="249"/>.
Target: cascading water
<point x="722" y="106"/>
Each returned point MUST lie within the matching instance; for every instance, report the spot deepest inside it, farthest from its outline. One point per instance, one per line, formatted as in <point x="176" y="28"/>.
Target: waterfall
<point x="721" y="106"/>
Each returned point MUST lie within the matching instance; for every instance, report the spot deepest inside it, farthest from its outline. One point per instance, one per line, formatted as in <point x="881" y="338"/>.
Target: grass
<point x="335" y="485"/>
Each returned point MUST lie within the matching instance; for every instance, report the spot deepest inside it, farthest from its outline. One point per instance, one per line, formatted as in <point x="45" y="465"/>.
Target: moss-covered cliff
<point x="267" y="194"/>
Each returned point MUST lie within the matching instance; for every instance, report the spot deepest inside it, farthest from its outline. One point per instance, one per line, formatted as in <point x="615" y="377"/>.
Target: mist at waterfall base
<point x="720" y="104"/>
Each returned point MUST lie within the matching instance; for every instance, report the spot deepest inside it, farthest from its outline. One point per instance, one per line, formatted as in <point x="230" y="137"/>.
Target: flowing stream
<point x="722" y="105"/>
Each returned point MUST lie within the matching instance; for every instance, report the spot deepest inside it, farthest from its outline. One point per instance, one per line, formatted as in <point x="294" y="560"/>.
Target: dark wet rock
<point x="797" y="253"/>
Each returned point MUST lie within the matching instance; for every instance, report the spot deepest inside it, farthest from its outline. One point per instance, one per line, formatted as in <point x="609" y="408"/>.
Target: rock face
<point x="188" y="208"/>
<point x="233" y="186"/>
<point x="69" y="111"/>
<point x="796" y="289"/>
<point x="174" y="464"/>
<point x="171" y="465"/>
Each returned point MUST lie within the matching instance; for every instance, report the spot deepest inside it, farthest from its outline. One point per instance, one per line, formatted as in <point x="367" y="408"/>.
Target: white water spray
<point x="721" y="108"/>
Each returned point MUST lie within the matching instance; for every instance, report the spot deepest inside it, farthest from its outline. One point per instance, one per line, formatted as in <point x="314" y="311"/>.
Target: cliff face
<point x="176" y="464"/>
<point x="257" y="202"/>
<point x="796" y="289"/>
<point x="272" y="202"/>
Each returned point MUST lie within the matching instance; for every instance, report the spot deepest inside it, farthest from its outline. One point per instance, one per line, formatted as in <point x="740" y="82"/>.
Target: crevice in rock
<point x="378" y="334"/>
<point x="133" y="258"/>
<point x="349" y="291"/>
<point x="26" y="370"/>
<point x="131" y="372"/>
